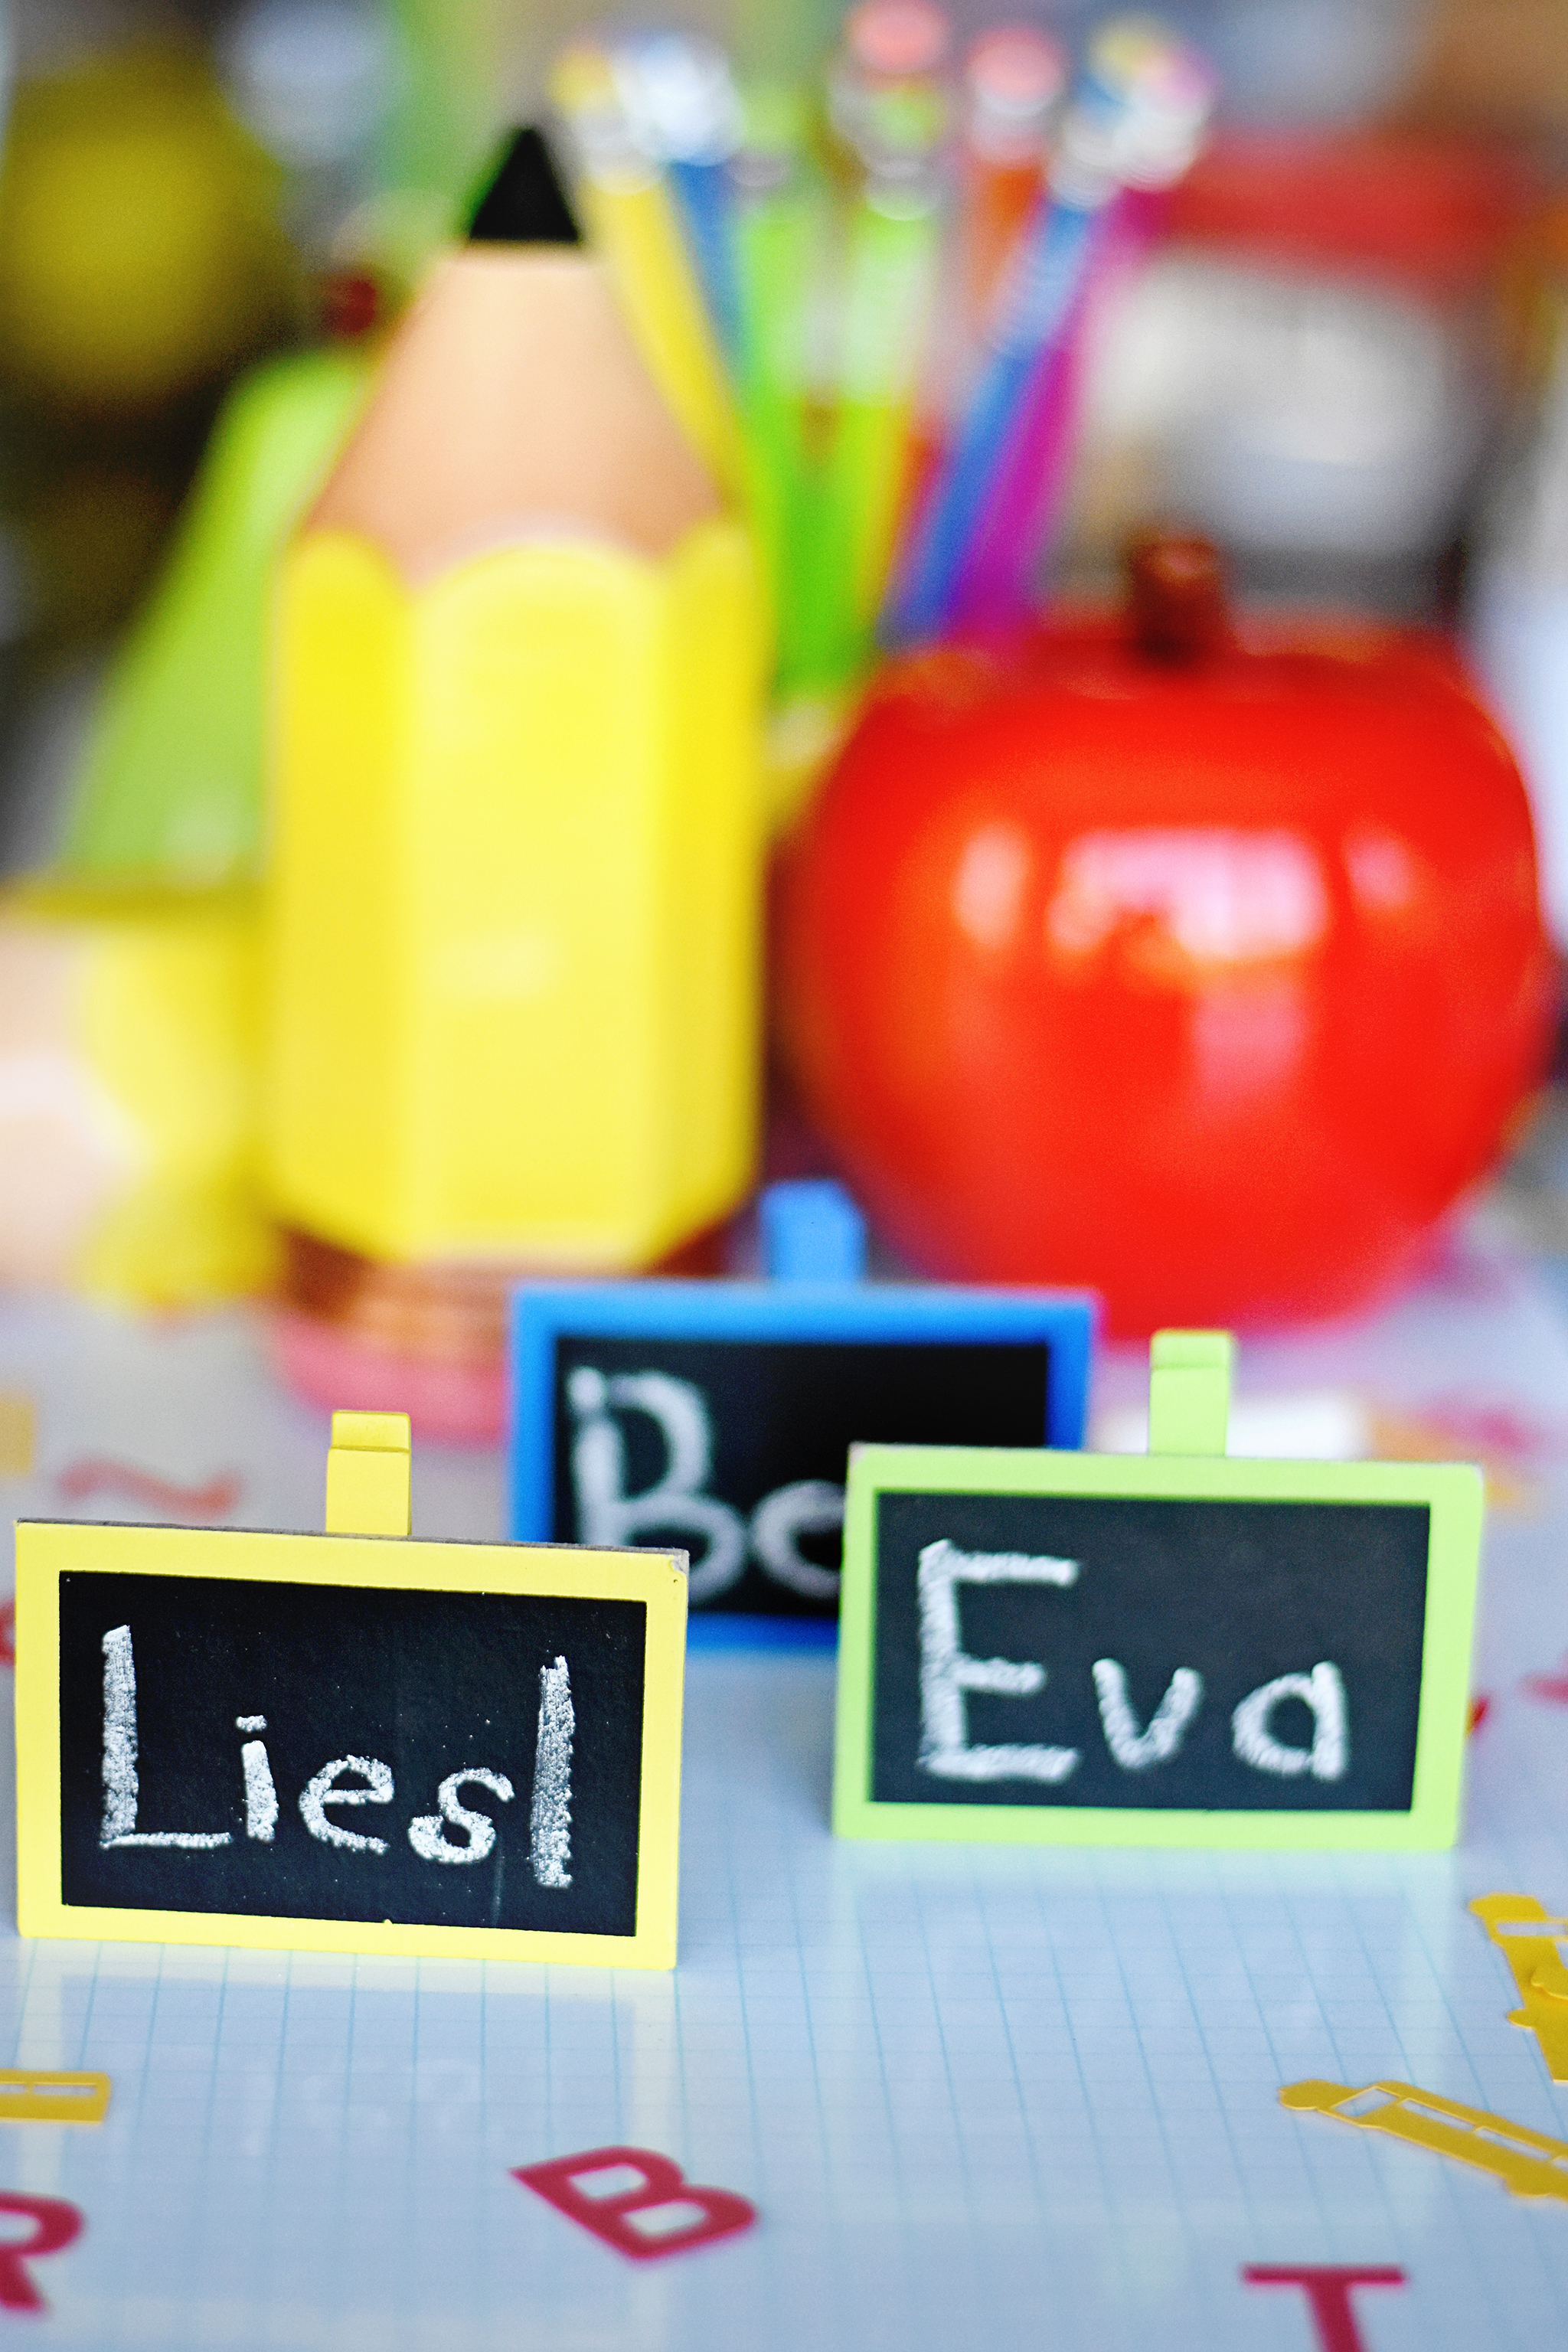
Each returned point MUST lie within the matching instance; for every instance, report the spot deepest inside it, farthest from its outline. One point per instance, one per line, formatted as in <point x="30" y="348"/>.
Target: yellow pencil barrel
<point x="514" y="918"/>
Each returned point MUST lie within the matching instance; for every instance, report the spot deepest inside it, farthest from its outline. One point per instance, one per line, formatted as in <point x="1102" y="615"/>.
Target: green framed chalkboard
<point x="1170" y="1649"/>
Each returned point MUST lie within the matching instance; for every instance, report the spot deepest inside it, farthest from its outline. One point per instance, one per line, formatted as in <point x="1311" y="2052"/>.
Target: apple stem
<point x="1176" y="599"/>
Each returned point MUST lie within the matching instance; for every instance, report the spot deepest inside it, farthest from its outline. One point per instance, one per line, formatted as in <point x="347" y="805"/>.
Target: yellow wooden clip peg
<point x="368" y="1474"/>
<point x="1189" y="1392"/>
<point x="34" y="2094"/>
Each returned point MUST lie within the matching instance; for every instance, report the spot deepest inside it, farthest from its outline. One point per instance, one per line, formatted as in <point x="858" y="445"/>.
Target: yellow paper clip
<point x="30" y="2095"/>
<point x="1533" y="1942"/>
<point x="1526" y="2162"/>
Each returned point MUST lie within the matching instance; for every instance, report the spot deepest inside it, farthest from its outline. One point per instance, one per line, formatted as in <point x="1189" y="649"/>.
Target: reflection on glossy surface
<point x="1214" y="896"/>
<point x="1210" y="980"/>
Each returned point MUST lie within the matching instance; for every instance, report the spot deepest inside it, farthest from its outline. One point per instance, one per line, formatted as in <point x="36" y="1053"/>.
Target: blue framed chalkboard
<point x="726" y="1409"/>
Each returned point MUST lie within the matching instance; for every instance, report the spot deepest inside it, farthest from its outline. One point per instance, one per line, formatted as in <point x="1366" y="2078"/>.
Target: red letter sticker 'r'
<point x="639" y="2202"/>
<point x="55" y="2223"/>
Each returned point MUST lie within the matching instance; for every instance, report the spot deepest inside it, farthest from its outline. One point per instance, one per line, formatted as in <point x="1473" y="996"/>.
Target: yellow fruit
<point x="139" y="253"/>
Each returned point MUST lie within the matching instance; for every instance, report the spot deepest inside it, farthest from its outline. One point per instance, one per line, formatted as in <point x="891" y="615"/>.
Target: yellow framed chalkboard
<point x="341" y="1743"/>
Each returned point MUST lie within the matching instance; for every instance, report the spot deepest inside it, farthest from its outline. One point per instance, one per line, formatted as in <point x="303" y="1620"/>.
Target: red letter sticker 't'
<point x="1327" y="2287"/>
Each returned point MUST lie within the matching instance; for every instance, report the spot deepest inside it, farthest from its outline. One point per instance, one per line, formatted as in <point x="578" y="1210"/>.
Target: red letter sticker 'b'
<point x="55" y="2224"/>
<point x="639" y="2202"/>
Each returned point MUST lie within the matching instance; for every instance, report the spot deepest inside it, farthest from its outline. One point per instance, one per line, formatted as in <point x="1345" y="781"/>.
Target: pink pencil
<point x="996" y="584"/>
<point x="999" y="583"/>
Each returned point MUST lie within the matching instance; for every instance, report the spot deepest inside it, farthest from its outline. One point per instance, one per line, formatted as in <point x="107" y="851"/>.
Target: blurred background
<point x="1337" y="345"/>
<point x="1338" y="348"/>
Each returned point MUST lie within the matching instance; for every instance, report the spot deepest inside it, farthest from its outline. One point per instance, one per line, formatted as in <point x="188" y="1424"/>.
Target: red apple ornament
<point x="1193" y="959"/>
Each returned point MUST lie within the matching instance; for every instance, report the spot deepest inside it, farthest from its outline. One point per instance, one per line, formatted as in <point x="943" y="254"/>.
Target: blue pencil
<point x="703" y="194"/>
<point x="1136" y="120"/>
<point x="685" y="114"/>
<point x="1050" y="273"/>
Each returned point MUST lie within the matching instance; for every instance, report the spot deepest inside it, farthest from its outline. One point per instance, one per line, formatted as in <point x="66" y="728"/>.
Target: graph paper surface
<point x="980" y="2099"/>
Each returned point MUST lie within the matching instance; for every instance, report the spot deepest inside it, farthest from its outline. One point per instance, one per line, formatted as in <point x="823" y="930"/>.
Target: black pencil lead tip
<point x="525" y="203"/>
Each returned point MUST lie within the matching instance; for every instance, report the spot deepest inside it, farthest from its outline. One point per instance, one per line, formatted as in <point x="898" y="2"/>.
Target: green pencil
<point x="780" y="223"/>
<point x="891" y="127"/>
<point x="892" y="278"/>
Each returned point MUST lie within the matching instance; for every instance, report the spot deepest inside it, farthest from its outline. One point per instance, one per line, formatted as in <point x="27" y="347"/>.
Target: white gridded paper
<point x="983" y="2099"/>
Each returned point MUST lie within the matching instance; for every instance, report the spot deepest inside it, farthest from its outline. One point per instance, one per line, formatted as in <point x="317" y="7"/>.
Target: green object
<point x="446" y="111"/>
<point x="170" y="783"/>
<point x="897" y="1671"/>
<point x="890" y="131"/>
<point x="1189" y="1392"/>
<point x="779" y="228"/>
<point x="892" y="263"/>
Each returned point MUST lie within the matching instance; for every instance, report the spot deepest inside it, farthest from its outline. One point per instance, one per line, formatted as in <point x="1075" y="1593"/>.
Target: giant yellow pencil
<point x="515" y="885"/>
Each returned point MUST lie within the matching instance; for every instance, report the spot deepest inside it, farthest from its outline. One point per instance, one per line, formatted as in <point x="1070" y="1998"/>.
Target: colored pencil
<point x="780" y="222"/>
<point x="632" y="221"/>
<point x="1135" y="121"/>
<point x="888" y="108"/>
<point x="1013" y="78"/>
<point x="685" y="112"/>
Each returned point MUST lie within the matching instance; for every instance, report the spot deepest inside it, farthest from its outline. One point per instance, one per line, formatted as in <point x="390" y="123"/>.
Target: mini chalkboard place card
<point x="1170" y="1649"/>
<point x="349" y="1742"/>
<point x="719" y="1415"/>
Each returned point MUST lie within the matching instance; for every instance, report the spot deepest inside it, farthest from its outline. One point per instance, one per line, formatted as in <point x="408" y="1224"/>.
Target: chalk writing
<point x="676" y="1503"/>
<point x="949" y="1676"/>
<point x="369" y="1782"/>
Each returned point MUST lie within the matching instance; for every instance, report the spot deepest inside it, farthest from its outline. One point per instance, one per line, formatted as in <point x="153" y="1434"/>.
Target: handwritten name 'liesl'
<point x="455" y="1833"/>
